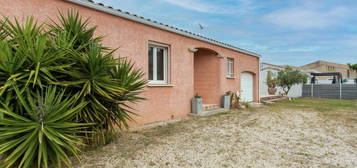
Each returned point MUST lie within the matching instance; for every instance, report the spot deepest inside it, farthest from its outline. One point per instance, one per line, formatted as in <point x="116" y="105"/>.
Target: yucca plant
<point x="27" y="55"/>
<point x="45" y="133"/>
<point x="75" y="31"/>
<point x="92" y="81"/>
<point x="93" y="90"/>
<point x="105" y="82"/>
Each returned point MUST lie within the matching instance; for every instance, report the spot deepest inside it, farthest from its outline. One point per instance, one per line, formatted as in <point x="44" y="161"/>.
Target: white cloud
<point x="304" y="49"/>
<point x="253" y="46"/>
<point x="218" y="7"/>
<point x="274" y="49"/>
<point x="196" y="5"/>
<point x="341" y="41"/>
<point x="306" y="17"/>
<point x="246" y="6"/>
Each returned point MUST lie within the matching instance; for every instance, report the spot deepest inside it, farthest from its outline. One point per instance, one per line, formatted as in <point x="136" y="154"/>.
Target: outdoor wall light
<point x="193" y="50"/>
<point x="220" y="56"/>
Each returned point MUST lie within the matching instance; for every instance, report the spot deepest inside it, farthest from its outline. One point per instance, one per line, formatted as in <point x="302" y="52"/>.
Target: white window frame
<point x="230" y="67"/>
<point x="156" y="46"/>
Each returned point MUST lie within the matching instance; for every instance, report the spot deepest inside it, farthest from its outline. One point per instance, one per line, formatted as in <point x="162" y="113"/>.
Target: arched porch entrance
<point x="207" y="75"/>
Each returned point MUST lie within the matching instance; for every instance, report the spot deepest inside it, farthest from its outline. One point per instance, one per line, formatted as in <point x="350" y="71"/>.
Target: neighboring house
<point x="178" y="63"/>
<point x="323" y="66"/>
<point x="295" y="91"/>
<point x="264" y="69"/>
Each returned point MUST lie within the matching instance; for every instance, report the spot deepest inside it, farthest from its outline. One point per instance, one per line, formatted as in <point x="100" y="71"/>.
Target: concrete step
<point x="271" y="101"/>
<point x="271" y="97"/>
<point x="209" y="107"/>
<point x="210" y="112"/>
<point x="255" y="105"/>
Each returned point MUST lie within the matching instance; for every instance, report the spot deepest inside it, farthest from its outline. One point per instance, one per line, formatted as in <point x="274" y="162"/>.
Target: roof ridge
<point x="323" y="61"/>
<point x="272" y="64"/>
<point x="154" y="23"/>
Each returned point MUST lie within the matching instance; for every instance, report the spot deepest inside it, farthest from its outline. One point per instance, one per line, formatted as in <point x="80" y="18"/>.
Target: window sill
<point x="228" y="77"/>
<point x="160" y="85"/>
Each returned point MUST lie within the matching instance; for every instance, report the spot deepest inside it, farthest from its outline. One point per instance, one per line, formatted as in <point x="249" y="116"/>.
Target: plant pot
<point x="271" y="91"/>
<point x="226" y="101"/>
<point x="197" y="106"/>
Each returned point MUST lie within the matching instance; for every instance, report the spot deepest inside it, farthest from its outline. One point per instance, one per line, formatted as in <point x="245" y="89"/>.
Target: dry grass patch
<point x="301" y="133"/>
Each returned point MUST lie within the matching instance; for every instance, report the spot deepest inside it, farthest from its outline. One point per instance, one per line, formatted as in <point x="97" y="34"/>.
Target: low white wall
<point x="296" y="90"/>
<point x="263" y="87"/>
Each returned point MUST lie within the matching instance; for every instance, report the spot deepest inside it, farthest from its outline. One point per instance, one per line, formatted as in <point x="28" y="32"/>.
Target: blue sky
<point x="293" y="32"/>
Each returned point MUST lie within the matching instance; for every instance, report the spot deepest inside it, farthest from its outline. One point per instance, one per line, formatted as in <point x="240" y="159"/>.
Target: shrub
<point x="235" y="100"/>
<point x="44" y="133"/>
<point x="353" y="67"/>
<point x="271" y="81"/>
<point x="61" y="61"/>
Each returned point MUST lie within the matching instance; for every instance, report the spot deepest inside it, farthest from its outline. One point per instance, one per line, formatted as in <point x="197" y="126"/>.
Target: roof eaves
<point x="143" y="20"/>
<point x="278" y="66"/>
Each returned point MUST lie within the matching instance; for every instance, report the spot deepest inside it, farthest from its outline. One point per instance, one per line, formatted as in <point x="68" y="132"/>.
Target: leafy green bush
<point x="289" y="77"/>
<point x="64" y="62"/>
<point x="353" y="67"/>
<point x="271" y="81"/>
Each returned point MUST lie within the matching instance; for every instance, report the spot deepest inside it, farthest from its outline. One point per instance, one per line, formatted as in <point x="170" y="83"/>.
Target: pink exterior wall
<point x="132" y="38"/>
<point x="207" y="76"/>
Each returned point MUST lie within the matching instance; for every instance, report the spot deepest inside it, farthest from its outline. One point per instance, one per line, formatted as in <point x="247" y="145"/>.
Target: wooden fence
<point x="332" y="91"/>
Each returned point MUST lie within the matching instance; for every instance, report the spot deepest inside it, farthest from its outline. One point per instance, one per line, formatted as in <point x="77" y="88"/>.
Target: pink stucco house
<point x="178" y="63"/>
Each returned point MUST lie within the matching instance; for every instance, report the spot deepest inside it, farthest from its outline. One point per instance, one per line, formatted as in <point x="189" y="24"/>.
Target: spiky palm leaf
<point x="75" y="31"/>
<point x="93" y="83"/>
<point x="34" y="57"/>
<point x="45" y="134"/>
<point x="130" y="78"/>
<point x="27" y="55"/>
<point x="97" y="77"/>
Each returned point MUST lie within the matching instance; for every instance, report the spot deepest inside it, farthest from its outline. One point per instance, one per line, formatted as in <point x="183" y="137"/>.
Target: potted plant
<point x="197" y="104"/>
<point x="226" y="100"/>
<point x="235" y="101"/>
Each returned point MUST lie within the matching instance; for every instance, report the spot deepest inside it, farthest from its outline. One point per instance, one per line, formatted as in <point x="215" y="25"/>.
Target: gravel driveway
<point x="271" y="136"/>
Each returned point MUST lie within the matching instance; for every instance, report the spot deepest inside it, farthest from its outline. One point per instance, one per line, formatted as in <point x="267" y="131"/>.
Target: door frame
<point x="252" y="85"/>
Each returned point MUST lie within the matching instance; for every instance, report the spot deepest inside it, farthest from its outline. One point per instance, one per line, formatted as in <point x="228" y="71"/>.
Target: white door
<point x="246" y="85"/>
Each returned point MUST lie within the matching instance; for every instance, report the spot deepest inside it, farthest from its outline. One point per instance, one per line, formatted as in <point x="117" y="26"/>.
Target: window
<point x="330" y="68"/>
<point x="158" y="61"/>
<point x="230" y="68"/>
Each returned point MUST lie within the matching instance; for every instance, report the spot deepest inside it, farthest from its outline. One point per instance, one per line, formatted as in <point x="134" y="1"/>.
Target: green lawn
<point x="332" y="109"/>
<point x="322" y="105"/>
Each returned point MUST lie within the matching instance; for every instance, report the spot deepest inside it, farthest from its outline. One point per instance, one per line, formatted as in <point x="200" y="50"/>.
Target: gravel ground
<point x="263" y="137"/>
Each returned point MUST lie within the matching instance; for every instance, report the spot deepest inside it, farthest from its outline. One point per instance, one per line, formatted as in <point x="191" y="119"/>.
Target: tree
<point x="272" y="83"/>
<point x="289" y="77"/>
<point x="353" y="67"/>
